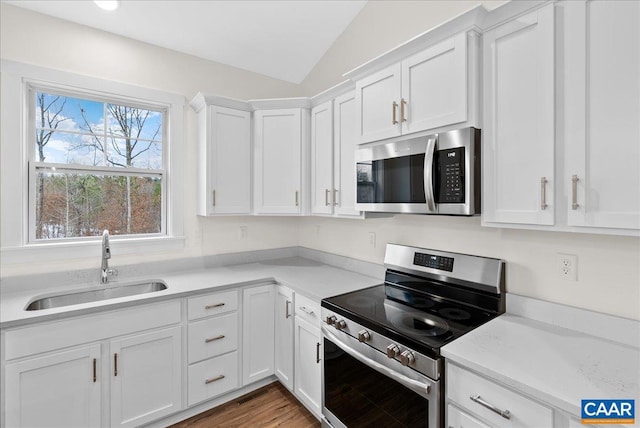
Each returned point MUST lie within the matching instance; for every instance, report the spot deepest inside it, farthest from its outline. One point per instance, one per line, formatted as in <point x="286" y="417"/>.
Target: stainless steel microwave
<point x="433" y="174"/>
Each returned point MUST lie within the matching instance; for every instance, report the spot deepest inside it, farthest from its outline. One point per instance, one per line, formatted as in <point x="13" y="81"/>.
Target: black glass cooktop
<point x="418" y="320"/>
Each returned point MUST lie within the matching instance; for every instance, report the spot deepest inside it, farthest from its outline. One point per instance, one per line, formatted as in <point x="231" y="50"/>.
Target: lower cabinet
<point x="213" y="377"/>
<point x="145" y="377"/>
<point x="258" y="333"/>
<point x="458" y="419"/>
<point x="61" y="389"/>
<point x="284" y="336"/>
<point x="308" y="354"/>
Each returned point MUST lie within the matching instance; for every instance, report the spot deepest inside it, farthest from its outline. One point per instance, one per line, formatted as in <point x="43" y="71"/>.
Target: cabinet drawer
<point x="212" y="304"/>
<point x="212" y="337"/>
<point x="308" y="309"/>
<point x="49" y="336"/>
<point x="523" y="412"/>
<point x="213" y="377"/>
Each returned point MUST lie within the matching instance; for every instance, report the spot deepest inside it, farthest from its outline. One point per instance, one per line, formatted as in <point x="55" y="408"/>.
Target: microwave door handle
<point x="428" y="174"/>
<point x="423" y="389"/>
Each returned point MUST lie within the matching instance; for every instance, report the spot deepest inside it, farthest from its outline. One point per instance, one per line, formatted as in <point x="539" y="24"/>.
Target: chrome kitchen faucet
<point x="105" y="272"/>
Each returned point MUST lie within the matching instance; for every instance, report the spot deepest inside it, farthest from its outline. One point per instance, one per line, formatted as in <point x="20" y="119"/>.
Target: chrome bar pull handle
<point x="326" y="197"/>
<point x="287" y="312"/>
<point x="94" y="370"/>
<point x="211" y="339"/>
<point x="574" y="192"/>
<point x="214" y="305"/>
<point x="115" y="364"/>
<point x="394" y="107"/>
<point x="403" y="103"/>
<point x="213" y="379"/>
<point x="477" y="399"/>
<point x="317" y="352"/>
<point x="307" y="311"/>
<point x="214" y="198"/>
<point x="543" y="193"/>
<point x="335" y="197"/>
<point x="296" y="198"/>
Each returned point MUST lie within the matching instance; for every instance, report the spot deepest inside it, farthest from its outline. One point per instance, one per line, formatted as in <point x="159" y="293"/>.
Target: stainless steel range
<point x="382" y="363"/>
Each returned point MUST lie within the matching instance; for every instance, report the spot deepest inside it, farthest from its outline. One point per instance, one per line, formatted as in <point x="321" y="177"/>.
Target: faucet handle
<point x="112" y="272"/>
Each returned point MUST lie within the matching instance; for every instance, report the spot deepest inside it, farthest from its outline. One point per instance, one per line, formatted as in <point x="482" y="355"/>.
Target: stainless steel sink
<point x="103" y="293"/>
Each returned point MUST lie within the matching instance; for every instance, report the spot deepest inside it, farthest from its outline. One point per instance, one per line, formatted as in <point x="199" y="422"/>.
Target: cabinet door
<point x="518" y="135"/>
<point x="322" y="158"/>
<point x="434" y="86"/>
<point x="456" y="418"/>
<point x="308" y="351"/>
<point x="56" y="390"/>
<point x="230" y="161"/>
<point x="377" y="105"/>
<point x="344" y="163"/>
<point x="278" y="142"/>
<point x="284" y="336"/>
<point x="602" y="134"/>
<point x="146" y="377"/>
<point x="258" y="333"/>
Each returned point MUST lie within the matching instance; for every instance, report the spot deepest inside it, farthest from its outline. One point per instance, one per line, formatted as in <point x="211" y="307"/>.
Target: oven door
<point x="362" y="387"/>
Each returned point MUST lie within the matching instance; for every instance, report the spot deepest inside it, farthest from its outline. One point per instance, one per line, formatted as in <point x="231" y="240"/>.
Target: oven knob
<point x="392" y="350"/>
<point x="363" y="336"/>
<point x="340" y="325"/>
<point x="407" y="358"/>
<point x="331" y="319"/>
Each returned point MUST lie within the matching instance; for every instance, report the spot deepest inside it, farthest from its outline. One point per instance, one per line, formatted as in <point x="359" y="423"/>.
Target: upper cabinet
<point x="224" y="155"/>
<point x="322" y="192"/>
<point x="280" y="137"/>
<point x="602" y="114"/>
<point x="427" y="90"/>
<point x="518" y="134"/>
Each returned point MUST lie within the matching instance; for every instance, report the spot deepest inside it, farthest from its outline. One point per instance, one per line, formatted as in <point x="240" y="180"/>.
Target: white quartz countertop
<point x="553" y="364"/>
<point x="310" y="278"/>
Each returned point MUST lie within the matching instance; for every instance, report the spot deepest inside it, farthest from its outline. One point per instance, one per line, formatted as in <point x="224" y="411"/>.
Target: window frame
<point x="17" y="163"/>
<point x="32" y="88"/>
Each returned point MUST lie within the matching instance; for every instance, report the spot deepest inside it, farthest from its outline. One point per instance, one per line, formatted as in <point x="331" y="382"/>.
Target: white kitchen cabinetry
<point x="58" y="379"/>
<point x="519" y="128"/>
<point x="258" y="335"/>
<point x="475" y="401"/>
<point x="322" y="193"/>
<point x="284" y="335"/>
<point x="279" y="149"/>
<point x="602" y="113"/>
<point x="213" y="340"/>
<point x="424" y="91"/>
<point x="146" y="374"/>
<point x="308" y="355"/>
<point x="60" y="389"/>
<point x="224" y="155"/>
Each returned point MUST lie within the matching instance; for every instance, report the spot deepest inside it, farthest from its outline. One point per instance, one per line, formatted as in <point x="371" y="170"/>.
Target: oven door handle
<point x="428" y="174"/>
<point x="420" y="388"/>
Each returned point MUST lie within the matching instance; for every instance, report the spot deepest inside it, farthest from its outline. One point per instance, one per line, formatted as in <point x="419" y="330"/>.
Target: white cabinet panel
<point x="146" y="377"/>
<point x="322" y="159"/>
<point x="519" y="132"/>
<point x="213" y="337"/>
<point x="56" y="390"/>
<point x="377" y="98"/>
<point x="212" y="377"/>
<point x="434" y="86"/>
<point x="284" y="336"/>
<point x="308" y="354"/>
<point x="212" y="304"/>
<point x="278" y="140"/>
<point x="602" y="133"/>
<point x="344" y="164"/>
<point x="258" y="318"/>
<point x="456" y="418"/>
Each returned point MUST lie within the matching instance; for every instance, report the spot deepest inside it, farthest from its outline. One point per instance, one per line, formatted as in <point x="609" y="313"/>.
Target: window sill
<point x="67" y="251"/>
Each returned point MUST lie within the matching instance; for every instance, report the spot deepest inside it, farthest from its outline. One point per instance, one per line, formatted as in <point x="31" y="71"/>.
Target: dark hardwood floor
<point x="269" y="406"/>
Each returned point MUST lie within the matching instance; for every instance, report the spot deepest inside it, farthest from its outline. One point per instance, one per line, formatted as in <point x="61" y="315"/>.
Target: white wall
<point x="608" y="266"/>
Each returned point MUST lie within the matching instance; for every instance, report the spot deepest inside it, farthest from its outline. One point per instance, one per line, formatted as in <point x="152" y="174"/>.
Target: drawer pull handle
<point x="574" y="192"/>
<point x="307" y="311"/>
<point x="211" y="339"/>
<point x="115" y="364"/>
<point x="477" y="399"/>
<point x="215" y="305"/>
<point x="287" y="313"/>
<point x="213" y="379"/>
<point x="94" y="370"/>
<point x="317" y="352"/>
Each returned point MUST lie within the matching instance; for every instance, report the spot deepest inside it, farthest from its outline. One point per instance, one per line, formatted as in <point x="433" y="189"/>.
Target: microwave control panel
<point x="450" y="176"/>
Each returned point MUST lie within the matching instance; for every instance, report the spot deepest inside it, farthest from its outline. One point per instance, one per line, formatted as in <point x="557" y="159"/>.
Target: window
<point x="81" y="154"/>
<point x="96" y="164"/>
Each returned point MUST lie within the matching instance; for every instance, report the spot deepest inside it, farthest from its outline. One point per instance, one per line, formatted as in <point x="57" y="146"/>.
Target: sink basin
<point x="108" y="292"/>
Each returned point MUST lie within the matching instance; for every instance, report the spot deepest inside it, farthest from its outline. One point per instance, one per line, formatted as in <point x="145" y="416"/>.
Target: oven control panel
<point x="434" y="262"/>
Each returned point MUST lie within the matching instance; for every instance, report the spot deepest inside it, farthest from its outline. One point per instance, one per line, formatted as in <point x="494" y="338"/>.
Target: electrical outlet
<point x="243" y="232"/>
<point x="568" y="267"/>
<point x="372" y="239"/>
